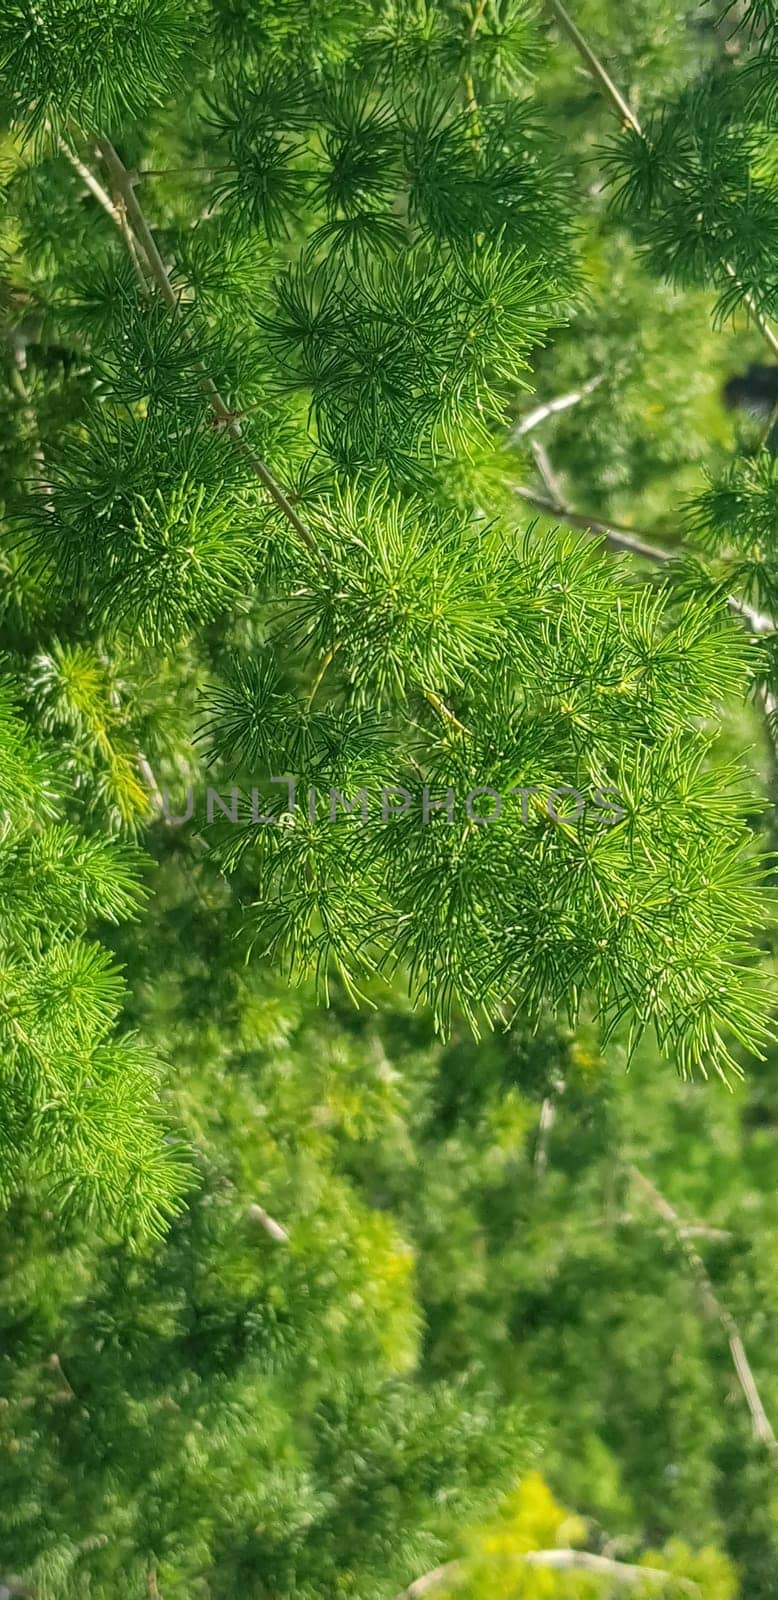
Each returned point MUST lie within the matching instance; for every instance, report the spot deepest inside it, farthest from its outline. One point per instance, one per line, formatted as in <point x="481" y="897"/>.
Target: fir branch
<point x="124" y="183"/>
<point x="713" y="1308"/>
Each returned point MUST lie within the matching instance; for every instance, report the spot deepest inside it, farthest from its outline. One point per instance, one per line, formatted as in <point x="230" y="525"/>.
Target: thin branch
<point x="443" y="710"/>
<point x="546" y="1122"/>
<point x="758" y="621"/>
<point x="713" y="1308"/>
<point x="116" y="212"/>
<point x="765" y="328"/>
<point x="92" y="183"/>
<point x="542" y="461"/>
<point x="551" y="408"/>
<point x="122" y="181"/>
<point x="263" y="1217"/>
<point x="149" y="778"/>
<point x="615" y="534"/>
<point x="430" y="1580"/>
<point x="700" y="1230"/>
<point x="605" y="1567"/>
<point x="29" y="413"/>
<point x="619" y="537"/>
<point x="472" y="100"/>
<point x="327" y="661"/>
<point x="594" y="64"/>
<point x="67" y="1392"/>
<point x="688" y="1230"/>
<point x="558" y="1561"/>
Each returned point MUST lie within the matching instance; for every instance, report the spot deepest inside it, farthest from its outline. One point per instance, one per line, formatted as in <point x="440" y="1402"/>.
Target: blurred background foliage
<point x="417" y="1305"/>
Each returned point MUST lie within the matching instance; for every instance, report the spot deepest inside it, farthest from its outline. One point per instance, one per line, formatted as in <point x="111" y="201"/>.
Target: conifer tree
<point x="328" y="336"/>
<point x="295" y="270"/>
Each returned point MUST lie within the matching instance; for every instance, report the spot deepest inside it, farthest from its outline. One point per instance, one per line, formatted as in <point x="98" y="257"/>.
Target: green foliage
<point x="340" y="1406"/>
<point x="95" y="61"/>
<point x="80" y="1105"/>
<point x="265" y="364"/>
<point x="393" y="242"/>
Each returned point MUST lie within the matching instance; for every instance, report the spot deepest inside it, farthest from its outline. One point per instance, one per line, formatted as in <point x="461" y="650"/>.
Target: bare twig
<point x="713" y="1308"/>
<point x="22" y="393"/>
<point x="444" y="711"/>
<point x="430" y="1580"/>
<point x="699" y="1230"/>
<point x="326" y="662"/>
<point x="551" y="408"/>
<point x="149" y="778"/>
<point x="615" y="534"/>
<point x="558" y="1561"/>
<point x="546" y="471"/>
<point x="67" y="1391"/>
<point x="479" y="7"/>
<point x="92" y="183"/>
<point x="260" y="1215"/>
<point x="605" y="1567"/>
<point x="765" y="328"/>
<point x="687" y="1230"/>
<point x="545" y="1124"/>
<point x="116" y="212"/>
